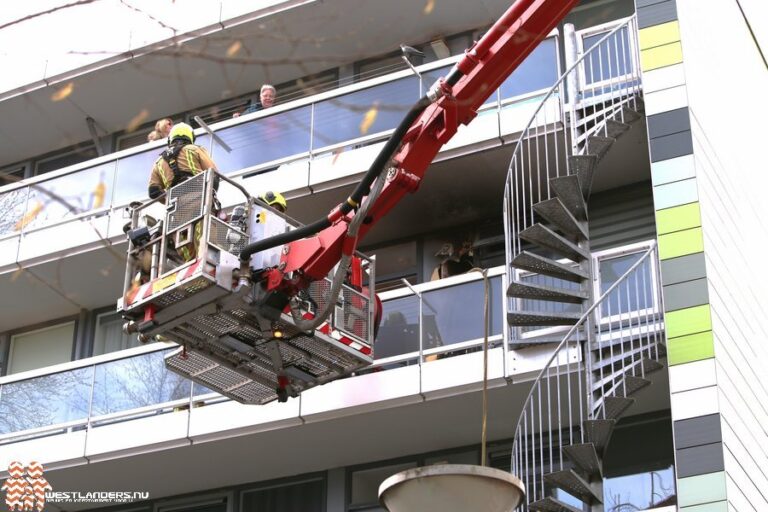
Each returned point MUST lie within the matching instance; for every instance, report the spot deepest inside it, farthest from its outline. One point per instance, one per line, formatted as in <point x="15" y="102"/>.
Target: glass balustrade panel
<point x="399" y="330"/>
<point x="46" y="400"/>
<point x="263" y="140"/>
<point x="13" y="206"/>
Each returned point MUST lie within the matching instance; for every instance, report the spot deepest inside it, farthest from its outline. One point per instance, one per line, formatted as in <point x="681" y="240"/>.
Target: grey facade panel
<point x="622" y="216"/>
<point x="646" y="3"/>
<point x="686" y="295"/>
<point x="671" y="146"/>
<point x="656" y="14"/>
<point x="700" y="460"/>
<point x="698" y="431"/>
<point x="667" y="123"/>
<point x="686" y="268"/>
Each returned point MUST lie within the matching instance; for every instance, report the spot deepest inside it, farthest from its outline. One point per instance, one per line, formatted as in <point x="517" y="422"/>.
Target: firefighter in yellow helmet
<point x="183" y="159"/>
<point x="179" y="162"/>
<point x="276" y="200"/>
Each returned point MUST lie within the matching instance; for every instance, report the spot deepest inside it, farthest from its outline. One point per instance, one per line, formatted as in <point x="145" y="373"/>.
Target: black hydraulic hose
<point x="354" y="199"/>
<point x="283" y="238"/>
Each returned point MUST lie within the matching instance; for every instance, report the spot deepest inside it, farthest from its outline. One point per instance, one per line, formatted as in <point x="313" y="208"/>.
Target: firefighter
<point x="181" y="161"/>
<point x="275" y="200"/>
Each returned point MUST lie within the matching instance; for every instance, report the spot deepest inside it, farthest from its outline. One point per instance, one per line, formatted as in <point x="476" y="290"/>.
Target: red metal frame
<point x="484" y="66"/>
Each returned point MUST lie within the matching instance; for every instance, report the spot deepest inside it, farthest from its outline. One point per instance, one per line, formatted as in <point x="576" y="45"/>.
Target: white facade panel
<point x="373" y="391"/>
<point x="9" y="250"/>
<point x="663" y="78"/>
<point x="230" y="418"/>
<point x="743" y="466"/>
<point x="665" y="100"/>
<point x="685" y="377"/>
<point x="68" y="237"/>
<point x="457" y="375"/>
<point x="52" y="451"/>
<point x="136" y="436"/>
<point x="694" y="403"/>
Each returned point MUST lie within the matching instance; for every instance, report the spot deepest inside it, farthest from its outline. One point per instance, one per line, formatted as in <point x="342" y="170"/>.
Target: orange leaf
<point x="368" y="119"/>
<point x="429" y="7"/>
<point x="63" y="92"/>
<point x="137" y="120"/>
<point x="234" y="48"/>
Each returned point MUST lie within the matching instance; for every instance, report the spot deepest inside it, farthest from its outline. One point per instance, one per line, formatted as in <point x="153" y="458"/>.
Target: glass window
<point x="136" y="382"/>
<point x="70" y="195"/>
<point x="109" y="336"/>
<point x="306" y="496"/>
<point x="640" y="491"/>
<point x="13" y="204"/>
<point x="394" y="262"/>
<point x="366" y="482"/>
<point x="46" y="400"/>
<point x="41" y="348"/>
<point x="11" y="175"/>
<point x="634" y="294"/>
<point x="365" y="112"/>
<point x="264" y="140"/>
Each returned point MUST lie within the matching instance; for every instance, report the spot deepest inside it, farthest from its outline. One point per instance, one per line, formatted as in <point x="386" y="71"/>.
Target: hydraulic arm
<point x="400" y="166"/>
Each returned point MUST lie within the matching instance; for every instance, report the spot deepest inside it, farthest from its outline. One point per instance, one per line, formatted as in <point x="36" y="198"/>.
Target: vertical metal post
<point x="572" y="87"/>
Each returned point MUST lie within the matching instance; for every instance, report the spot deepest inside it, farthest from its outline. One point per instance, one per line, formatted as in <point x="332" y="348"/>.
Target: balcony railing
<point x="313" y="129"/>
<point x="420" y="324"/>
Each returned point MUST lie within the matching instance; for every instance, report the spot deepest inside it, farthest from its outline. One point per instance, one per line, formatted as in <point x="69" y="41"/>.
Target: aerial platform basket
<point x="237" y="338"/>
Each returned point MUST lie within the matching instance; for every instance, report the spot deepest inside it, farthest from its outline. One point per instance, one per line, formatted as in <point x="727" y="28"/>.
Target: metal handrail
<point x="627" y="361"/>
<point x="559" y="82"/>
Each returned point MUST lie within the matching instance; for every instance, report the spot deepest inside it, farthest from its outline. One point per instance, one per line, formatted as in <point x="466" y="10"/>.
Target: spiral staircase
<point x="604" y="349"/>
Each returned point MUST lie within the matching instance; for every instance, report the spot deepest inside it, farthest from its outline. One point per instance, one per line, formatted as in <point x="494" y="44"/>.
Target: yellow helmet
<point x="275" y="200"/>
<point x="181" y="130"/>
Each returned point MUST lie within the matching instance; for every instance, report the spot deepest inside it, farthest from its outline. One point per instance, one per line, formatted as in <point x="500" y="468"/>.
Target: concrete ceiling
<point x="198" y="72"/>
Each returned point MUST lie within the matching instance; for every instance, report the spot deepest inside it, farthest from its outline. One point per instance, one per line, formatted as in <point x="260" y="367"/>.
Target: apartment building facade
<point x="640" y="307"/>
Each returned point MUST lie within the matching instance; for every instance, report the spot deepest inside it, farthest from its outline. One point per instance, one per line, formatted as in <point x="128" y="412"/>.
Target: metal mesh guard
<point x="189" y="198"/>
<point x="226" y="237"/>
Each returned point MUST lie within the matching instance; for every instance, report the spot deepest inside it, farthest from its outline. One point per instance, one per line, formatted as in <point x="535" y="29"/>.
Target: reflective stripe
<point x="190" y="160"/>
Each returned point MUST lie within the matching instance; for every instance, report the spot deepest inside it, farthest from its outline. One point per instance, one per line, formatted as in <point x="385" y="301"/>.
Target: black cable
<point x="362" y="189"/>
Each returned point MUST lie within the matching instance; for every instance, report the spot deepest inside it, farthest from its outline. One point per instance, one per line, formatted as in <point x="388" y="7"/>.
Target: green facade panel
<point x="681" y="243"/>
<point x="678" y="218"/>
<point x="687" y="349"/>
<point x="688" y="321"/>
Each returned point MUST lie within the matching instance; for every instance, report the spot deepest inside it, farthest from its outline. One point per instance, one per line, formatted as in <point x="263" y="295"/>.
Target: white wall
<point x="727" y="84"/>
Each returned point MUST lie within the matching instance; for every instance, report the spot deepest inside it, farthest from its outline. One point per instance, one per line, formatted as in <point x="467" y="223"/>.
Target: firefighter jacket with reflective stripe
<point x="191" y="160"/>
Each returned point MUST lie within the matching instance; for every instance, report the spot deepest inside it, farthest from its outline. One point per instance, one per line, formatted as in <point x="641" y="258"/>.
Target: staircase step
<point x="631" y="385"/>
<point x="598" y="145"/>
<point x="585" y="456"/>
<point x="550" y="504"/>
<point x="544" y="237"/>
<point x="574" y="484"/>
<point x="569" y="190"/>
<point x="548" y="267"/>
<point x="533" y="291"/>
<point x="547" y="338"/>
<point x="615" y="406"/>
<point x="628" y="115"/>
<point x="650" y="366"/>
<point x="555" y="212"/>
<point x="541" y="319"/>
<point x="616" y="128"/>
<point x="583" y="166"/>
<point x="598" y="432"/>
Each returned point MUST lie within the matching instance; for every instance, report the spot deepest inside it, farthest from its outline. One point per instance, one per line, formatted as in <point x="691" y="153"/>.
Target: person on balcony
<point x="267" y="97"/>
<point x="162" y="129"/>
<point x="452" y="263"/>
<point x="182" y="160"/>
